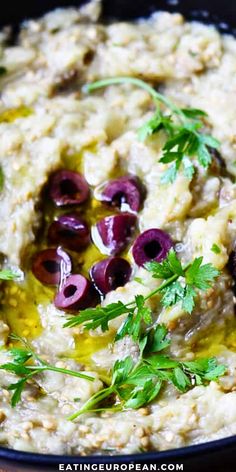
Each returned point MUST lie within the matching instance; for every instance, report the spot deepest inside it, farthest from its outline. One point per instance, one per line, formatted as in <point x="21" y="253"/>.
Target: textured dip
<point x="47" y="123"/>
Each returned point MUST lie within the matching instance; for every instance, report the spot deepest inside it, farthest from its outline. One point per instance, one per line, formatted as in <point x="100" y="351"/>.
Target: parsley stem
<point x="94" y="400"/>
<point x="112" y="408"/>
<point x="166" y="283"/>
<point x="60" y="370"/>
<point x="139" y="83"/>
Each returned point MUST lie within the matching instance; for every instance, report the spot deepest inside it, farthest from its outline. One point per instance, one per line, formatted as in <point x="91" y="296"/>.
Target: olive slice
<point x="127" y="192"/>
<point x="152" y="245"/>
<point x="68" y="188"/>
<point x="71" y="231"/>
<point x="50" y="266"/>
<point x="77" y="293"/>
<point x="110" y="274"/>
<point x="113" y="233"/>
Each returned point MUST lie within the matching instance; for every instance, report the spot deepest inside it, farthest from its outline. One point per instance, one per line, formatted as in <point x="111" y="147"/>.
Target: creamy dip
<point x="48" y="123"/>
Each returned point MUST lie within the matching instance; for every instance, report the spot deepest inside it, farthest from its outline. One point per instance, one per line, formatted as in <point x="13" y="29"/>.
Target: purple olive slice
<point x="113" y="233"/>
<point x="68" y="188"/>
<point x="152" y="245"/>
<point x="127" y="190"/>
<point x="51" y="266"/>
<point x="70" y="231"/>
<point x="111" y="273"/>
<point x="77" y="293"/>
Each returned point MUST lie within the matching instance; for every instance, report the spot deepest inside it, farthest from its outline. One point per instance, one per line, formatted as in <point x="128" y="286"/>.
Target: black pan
<point x="215" y="456"/>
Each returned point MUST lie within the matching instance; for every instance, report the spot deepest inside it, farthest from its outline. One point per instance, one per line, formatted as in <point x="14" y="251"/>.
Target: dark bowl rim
<point x="32" y="458"/>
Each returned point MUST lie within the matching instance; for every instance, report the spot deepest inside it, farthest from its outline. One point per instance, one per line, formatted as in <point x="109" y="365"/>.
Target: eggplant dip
<point x="117" y="237"/>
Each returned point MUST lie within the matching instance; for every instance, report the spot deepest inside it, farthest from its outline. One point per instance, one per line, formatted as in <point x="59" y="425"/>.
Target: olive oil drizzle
<point x="11" y="114"/>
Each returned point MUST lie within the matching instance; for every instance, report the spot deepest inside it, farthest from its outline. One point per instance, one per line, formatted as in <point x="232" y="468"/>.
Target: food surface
<point x="118" y="234"/>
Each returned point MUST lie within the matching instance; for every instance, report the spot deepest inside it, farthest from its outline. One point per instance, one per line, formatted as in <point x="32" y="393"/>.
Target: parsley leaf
<point x="18" y="388"/>
<point x="165" y="269"/>
<point x="207" y="369"/>
<point x="133" y="323"/>
<point x="20" y="356"/>
<point x="180" y="379"/>
<point x="199" y="275"/>
<point x="186" y="142"/>
<point x="215" y="248"/>
<point x="144" y="394"/>
<point x="157" y="339"/>
<point x="92" y="318"/>
<point x="121" y="370"/>
<point x="173" y="293"/>
<point x="155" y="124"/>
<point x="188" y="300"/>
<point x="193" y="112"/>
<point x="169" y="176"/>
<point x="182" y="283"/>
<point x="143" y="314"/>
<point x="188" y="168"/>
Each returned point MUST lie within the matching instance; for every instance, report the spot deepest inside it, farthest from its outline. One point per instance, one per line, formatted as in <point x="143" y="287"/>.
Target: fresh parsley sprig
<point x="180" y="284"/>
<point x="184" y="128"/>
<point x="136" y="385"/>
<point x="26" y="364"/>
<point x="186" y="141"/>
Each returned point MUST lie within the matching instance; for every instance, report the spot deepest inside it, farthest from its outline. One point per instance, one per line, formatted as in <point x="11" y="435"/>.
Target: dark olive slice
<point x="127" y="190"/>
<point x="68" y="188"/>
<point x="152" y="245"/>
<point x="114" y="233"/>
<point x="77" y="293"/>
<point x="111" y="273"/>
<point x="70" y="231"/>
<point x="51" y="266"/>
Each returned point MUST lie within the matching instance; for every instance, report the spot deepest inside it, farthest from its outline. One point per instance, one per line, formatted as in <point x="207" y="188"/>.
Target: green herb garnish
<point x="215" y="249"/>
<point x="136" y="385"/>
<point x="184" y="281"/>
<point x="180" y="284"/>
<point x="9" y="274"/>
<point x="26" y="364"/>
<point x="184" y="128"/>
